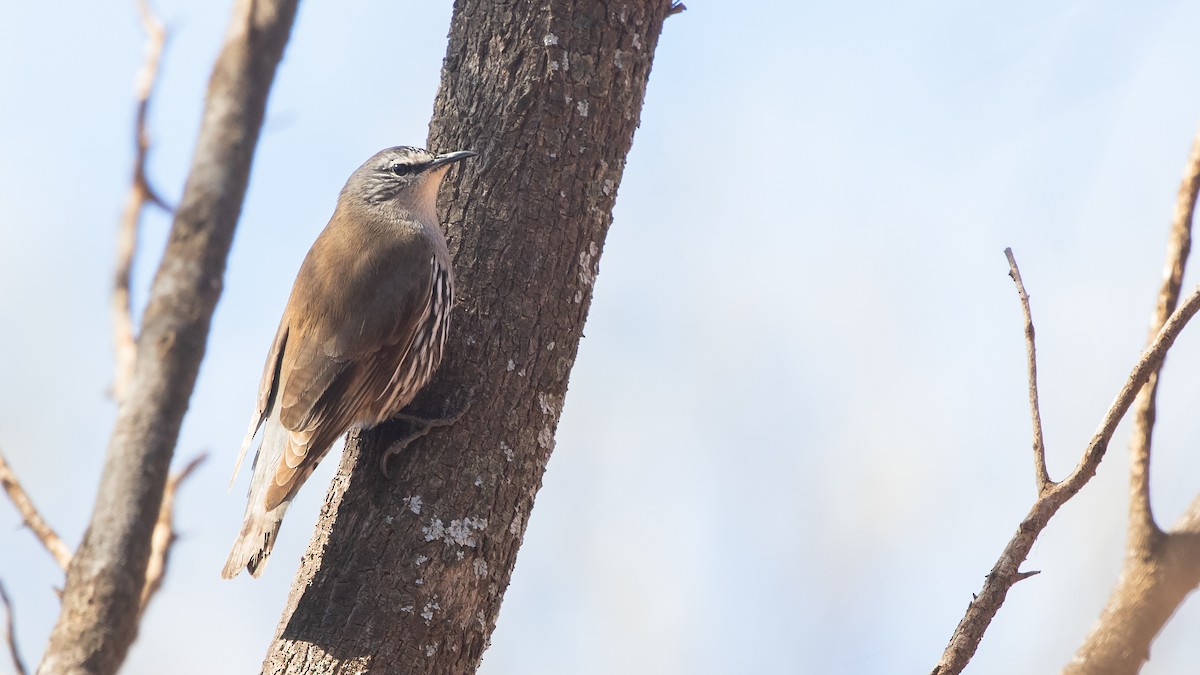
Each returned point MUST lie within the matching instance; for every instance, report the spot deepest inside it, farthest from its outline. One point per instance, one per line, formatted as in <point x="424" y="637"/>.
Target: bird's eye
<point x="401" y="169"/>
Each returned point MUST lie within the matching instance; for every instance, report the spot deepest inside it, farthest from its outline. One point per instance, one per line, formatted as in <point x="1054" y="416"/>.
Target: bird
<point x="362" y="332"/>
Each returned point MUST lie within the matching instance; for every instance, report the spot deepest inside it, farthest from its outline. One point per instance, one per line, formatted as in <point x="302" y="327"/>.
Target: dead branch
<point x="1143" y="531"/>
<point x="160" y="543"/>
<point x="1006" y="572"/>
<point x="33" y="520"/>
<point x="1161" y="568"/>
<point x="11" y="632"/>
<point x="101" y="599"/>
<point x="1041" y="475"/>
<point x="164" y="531"/>
<point x="140" y="192"/>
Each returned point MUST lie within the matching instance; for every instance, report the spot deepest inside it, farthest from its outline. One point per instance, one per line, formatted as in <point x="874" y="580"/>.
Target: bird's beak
<point x="450" y="158"/>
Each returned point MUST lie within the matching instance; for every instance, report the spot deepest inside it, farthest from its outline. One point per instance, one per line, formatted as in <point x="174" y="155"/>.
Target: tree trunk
<point x="102" y="597"/>
<point x="406" y="575"/>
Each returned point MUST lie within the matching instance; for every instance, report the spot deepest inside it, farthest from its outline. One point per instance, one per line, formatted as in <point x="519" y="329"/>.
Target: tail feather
<point x="257" y="538"/>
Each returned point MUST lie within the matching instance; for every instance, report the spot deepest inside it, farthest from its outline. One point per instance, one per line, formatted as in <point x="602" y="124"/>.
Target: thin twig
<point x="164" y="531"/>
<point x="33" y="520"/>
<point x="140" y="192"/>
<point x="11" y="632"/>
<point x="1039" y="440"/>
<point x="676" y="8"/>
<point x="1006" y="571"/>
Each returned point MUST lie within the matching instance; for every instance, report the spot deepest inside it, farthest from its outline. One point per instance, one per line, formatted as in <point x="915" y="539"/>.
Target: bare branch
<point x="164" y="531"/>
<point x="1143" y="531"/>
<point x="1161" y="568"/>
<point x="1006" y="571"/>
<point x="33" y="520"/>
<point x="1041" y="475"/>
<point x="101" y="599"/>
<point x="11" y="632"/>
<point x="140" y="192"/>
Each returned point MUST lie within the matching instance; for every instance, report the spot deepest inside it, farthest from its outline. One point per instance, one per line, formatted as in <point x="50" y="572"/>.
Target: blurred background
<point x="796" y="437"/>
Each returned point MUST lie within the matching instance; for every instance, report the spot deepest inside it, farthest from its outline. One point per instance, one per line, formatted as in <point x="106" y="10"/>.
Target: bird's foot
<point x="419" y="425"/>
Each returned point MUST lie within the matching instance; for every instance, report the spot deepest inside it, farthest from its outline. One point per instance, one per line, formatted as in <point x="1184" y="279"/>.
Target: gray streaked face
<point x="390" y="172"/>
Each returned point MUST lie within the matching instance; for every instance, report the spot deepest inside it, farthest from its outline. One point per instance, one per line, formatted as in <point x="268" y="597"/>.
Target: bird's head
<point x="407" y="176"/>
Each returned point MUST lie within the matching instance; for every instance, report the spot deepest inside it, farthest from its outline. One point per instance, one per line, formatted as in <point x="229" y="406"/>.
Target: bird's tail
<point x="257" y="537"/>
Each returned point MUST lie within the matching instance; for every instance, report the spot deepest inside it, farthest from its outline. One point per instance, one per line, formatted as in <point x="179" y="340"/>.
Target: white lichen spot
<point x="549" y="403"/>
<point x="587" y="265"/>
<point x="430" y="650"/>
<point x="427" y="612"/>
<point x="582" y="107"/>
<point x="479" y="481"/>
<point x="480" y="567"/>
<point x="481" y="619"/>
<point x="514" y="528"/>
<point x="587" y="270"/>
<point x="637" y="41"/>
<point x="550" y="346"/>
<point x="554" y="65"/>
<point x="564" y="66"/>
<point x="462" y="532"/>
<point x="618" y="59"/>
<point x="420" y="581"/>
<point x="407" y="608"/>
<point x="554" y="155"/>
<point x="521" y="373"/>
<point x="422" y="559"/>
<point x="608" y="187"/>
<point x="578" y="297"/>
<point x="413" y="503"/>
<point x="511" y="366"/>
<point x="508" y="452"/>
<point x="434" y="530"/>
<point x="459" y="555"/>
<point x="387" y="519"/>
<point x="546" y="438"/>
<point x="550" y="40"/>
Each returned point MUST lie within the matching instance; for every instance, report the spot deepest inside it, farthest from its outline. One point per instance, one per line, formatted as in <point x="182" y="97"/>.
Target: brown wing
<point x="351" y="320"/>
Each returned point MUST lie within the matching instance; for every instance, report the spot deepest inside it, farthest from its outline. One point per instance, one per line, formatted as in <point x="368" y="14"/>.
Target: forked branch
<point x="1160" y="568"/>
<point x="1143" y="531"/>
<point x="1006" y="572"/>
<point x="160" y="543"/>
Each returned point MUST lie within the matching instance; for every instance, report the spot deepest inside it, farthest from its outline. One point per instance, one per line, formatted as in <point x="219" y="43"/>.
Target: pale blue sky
<point x="796" y="435"/>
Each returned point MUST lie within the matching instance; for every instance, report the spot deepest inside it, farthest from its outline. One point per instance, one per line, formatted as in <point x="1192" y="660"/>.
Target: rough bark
<point x="102" y="598"/>
<point x="406" y="575"/>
